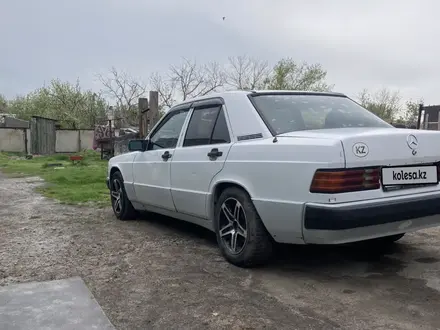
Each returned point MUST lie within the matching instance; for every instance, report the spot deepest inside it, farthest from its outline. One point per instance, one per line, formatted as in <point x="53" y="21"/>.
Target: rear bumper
<point x="350" y="222"/>
<point x="107" y="182"/>
<point x="335" y="217"/>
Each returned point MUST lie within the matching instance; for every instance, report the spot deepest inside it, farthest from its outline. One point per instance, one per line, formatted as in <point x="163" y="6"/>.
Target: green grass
<point x="70" y="184"/>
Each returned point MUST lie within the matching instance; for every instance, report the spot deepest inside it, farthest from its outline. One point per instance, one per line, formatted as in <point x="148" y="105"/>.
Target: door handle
<point x="166" y="155"/>
<point x="214" y="153"/>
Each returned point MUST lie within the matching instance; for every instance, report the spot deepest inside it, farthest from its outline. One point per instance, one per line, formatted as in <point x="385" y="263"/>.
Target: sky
<point x="362" y="44"/>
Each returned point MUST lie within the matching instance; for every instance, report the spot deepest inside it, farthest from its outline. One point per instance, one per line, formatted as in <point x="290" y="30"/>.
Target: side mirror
<point x="137" y="145"/>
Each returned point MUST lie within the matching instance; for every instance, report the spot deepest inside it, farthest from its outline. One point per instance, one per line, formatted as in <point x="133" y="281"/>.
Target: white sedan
<point x="281" y="166"/>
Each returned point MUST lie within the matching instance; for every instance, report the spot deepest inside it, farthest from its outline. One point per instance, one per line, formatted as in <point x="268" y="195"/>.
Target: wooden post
<point x="79" y="141"/>
<point x="153" y="114"/>
<point x="25" y="141"/>
<point x="112" y="147"/>
<point x="140" y="128"/>
<point x="438" y="121"/>
<point x="419" y="117"/>
<point x="143" y="107"/>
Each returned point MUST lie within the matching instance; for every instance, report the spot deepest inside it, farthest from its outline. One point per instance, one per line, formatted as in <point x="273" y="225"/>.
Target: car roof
<point x="243" y="118"/>
<point x="295" y="92"/>
<point x="225" y="94"/>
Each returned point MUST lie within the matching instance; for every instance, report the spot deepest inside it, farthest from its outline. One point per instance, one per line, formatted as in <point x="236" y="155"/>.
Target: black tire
<point x="257" y="247"/>
<point x="124" y="210"/>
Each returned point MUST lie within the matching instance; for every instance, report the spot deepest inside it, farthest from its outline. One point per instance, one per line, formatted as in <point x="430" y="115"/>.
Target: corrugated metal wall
<point x="43" y="136"/>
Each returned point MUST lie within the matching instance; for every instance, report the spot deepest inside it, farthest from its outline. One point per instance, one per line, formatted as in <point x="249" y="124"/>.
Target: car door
<point x="199" y="157"/>
<point x="151" y="168"/>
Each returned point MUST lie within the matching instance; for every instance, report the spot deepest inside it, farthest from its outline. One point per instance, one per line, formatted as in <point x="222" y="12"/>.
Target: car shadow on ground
<point x="182" y="228"/>
<point x="377" y="259"/>
<point x="384" y="259"/>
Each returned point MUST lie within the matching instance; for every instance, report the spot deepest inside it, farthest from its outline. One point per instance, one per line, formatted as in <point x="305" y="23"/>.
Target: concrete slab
<point x="64" y="304"/>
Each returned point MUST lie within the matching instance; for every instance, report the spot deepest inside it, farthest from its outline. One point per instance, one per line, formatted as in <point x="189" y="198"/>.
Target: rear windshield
<point x="293" y="112"/>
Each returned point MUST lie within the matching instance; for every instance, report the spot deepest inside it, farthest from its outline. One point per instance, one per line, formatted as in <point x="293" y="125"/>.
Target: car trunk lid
<point x="364" y="147"/>
<point x="407" y="158"/>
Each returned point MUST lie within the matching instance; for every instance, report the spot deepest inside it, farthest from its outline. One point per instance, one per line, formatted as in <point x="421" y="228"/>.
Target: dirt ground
<point x="157" y="273"/>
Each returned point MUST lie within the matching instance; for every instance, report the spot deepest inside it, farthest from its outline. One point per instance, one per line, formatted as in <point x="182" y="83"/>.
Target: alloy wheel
<point x="233" y="225"/>
<point x="116" y="195"/>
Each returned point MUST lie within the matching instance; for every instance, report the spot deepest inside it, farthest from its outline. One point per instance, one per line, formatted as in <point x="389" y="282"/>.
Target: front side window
<point x="167" y="135"/>
<point x="293" y="112"/>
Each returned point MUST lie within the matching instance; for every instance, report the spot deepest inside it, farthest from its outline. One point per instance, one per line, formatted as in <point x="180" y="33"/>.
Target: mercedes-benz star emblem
<point x="413" y="143"/>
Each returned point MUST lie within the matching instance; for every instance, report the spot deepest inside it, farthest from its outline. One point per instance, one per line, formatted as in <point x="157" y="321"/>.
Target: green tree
<point x="66" y="102"/>
<point x="3" y="104"/>
<point x="189" y="79"/>
<point x="384" y="103"/>
<point x="290" y="75"/>
<point x="411" y="112"/>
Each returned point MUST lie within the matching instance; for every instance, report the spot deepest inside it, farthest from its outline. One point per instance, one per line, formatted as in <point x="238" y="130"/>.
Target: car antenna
<point x="275" y="140"/>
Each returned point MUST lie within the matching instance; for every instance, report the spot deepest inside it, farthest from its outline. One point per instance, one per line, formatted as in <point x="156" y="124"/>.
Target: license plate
<point x="409" y="175"/>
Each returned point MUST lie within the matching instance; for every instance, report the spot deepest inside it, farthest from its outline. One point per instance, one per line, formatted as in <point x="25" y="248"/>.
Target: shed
<point x="8" y="121"/>
<point x="43" y="135"/>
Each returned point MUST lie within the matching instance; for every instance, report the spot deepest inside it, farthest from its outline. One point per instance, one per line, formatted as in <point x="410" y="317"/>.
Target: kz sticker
<point x="360" y="149"/>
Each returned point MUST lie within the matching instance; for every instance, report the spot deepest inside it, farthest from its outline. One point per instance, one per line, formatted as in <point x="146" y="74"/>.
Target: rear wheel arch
<point x="217" y="191"/>
<point x="221" y="186"/>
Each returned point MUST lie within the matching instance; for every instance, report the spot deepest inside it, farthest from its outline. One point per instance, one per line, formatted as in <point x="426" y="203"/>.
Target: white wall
<point x="12" y="140"/>
<point x="87" y="139"/>
<point x="68" y="140"/>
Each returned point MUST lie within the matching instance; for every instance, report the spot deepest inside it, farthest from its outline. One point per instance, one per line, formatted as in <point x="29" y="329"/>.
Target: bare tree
<point x="192" y="80"/>
<point x="125" y="90"/>
<point x="166" y="89"/>
<point x="247" y="73"/>
<point x="187" y="80"/>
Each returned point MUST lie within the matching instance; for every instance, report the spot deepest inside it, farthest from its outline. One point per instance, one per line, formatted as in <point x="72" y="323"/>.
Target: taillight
<point x="339" y="181"/>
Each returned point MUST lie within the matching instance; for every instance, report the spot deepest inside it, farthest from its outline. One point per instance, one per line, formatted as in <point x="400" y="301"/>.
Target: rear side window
<point x="207" y="126"/>
<point x="221" y="132"/>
